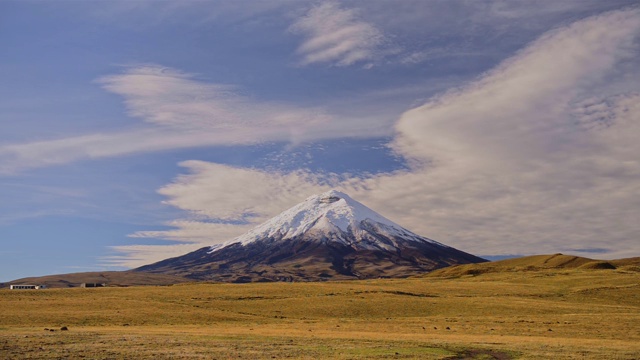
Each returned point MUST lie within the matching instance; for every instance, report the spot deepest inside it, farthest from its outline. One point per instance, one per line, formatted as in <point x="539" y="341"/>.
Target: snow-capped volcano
<point x="327" y="236"/>
<point x="332" y="216"/>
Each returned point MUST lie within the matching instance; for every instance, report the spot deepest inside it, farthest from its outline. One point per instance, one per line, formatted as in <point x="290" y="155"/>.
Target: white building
<point x="27" y="287"/>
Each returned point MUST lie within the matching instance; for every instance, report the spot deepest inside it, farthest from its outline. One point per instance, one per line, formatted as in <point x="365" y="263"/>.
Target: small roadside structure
<point x="27" y="287"/>
<point x="93" y="285"/>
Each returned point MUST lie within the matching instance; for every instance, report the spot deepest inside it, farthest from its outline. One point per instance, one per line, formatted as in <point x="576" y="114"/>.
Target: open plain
<point x="517" y="313"/>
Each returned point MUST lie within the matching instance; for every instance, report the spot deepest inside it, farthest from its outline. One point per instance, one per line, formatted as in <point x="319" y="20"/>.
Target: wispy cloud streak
<point x="180" y="111"/>
<point x="336" y="35"/>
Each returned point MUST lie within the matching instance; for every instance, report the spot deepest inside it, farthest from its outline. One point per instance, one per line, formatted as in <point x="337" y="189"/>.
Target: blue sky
<point x="133" y="131"/>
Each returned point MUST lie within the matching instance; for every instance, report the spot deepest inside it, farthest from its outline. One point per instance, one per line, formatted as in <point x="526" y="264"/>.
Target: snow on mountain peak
<point x="330" y="213"/>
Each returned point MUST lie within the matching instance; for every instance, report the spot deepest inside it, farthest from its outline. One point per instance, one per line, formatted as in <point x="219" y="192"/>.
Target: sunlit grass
<point x="551" y="313"/>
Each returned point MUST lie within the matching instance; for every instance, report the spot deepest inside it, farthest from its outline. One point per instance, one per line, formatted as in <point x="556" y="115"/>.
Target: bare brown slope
<point x="110" y="278"/>
<point x="529" y="263"/>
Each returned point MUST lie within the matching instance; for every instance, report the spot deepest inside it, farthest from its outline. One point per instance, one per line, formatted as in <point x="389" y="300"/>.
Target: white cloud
<point x="534" y="157"/>
<point x="195" y="231"/>
<point x="522" y="104"/>
<point x="181" y="111"/>
<point x="228" y="193"/>
<point x="517" y="162"/>
<point x="221" y="202"/>
<point x="138" y="255"/>
<point x="336" y="35"/>
<point x="177" y="101"/>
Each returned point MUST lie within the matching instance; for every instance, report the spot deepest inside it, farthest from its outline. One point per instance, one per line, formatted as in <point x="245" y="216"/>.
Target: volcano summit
<point x="326" y="237"/>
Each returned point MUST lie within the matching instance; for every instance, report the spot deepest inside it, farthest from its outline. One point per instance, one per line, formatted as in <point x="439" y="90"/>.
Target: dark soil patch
<point x="481" y="354"/>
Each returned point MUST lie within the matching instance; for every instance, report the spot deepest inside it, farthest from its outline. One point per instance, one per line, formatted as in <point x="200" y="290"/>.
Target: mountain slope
<point x="328" y="236"/>
<point x="538" y="263"/>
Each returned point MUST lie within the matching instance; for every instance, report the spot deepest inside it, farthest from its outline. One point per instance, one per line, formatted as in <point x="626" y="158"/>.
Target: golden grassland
<point x="521" y="313"/>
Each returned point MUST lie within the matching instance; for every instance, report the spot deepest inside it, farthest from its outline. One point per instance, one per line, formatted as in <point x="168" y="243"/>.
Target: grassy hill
<point x="111" y="278"/>
<point x="547" y="307"/>
<point x="537" y="263"/>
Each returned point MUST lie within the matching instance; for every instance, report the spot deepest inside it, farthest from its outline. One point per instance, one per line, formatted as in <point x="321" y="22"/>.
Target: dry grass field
<point x="517" y="313"/>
